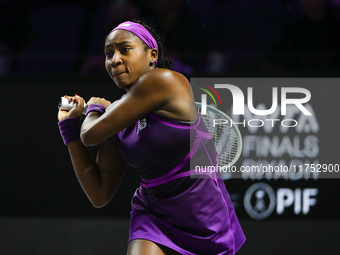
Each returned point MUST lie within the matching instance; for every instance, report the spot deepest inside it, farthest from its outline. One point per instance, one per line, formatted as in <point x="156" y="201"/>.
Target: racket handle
<point x="66" y="106"/>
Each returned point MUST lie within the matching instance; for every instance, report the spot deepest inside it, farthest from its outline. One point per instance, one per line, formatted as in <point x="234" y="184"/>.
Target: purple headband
<point x="140" y="31"/>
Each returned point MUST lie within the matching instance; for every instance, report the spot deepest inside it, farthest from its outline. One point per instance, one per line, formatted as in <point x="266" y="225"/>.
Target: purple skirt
<point x="200" y="220"/>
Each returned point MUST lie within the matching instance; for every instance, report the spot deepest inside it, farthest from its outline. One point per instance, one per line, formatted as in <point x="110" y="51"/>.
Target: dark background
<point x="51" y="49"/>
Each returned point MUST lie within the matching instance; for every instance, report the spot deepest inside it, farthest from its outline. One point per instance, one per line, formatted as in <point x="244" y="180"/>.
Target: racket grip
<point x="66" y="106"/>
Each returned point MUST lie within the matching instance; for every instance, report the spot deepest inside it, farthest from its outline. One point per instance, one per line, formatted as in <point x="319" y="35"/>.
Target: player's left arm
<point x="157" y="90"/>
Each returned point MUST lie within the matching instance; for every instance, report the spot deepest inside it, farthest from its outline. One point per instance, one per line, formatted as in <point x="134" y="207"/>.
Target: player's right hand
<point x="76" y="111"/>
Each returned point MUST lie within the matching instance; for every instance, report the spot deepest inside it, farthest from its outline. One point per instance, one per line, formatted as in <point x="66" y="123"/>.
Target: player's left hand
<point x="99" y="100"/>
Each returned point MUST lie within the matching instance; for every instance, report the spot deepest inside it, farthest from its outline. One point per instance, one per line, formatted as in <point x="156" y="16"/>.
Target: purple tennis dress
<point x="173" y="206"/>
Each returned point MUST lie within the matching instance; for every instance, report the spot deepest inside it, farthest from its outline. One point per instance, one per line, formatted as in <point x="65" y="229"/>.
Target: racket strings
<point x="223" y="136"/>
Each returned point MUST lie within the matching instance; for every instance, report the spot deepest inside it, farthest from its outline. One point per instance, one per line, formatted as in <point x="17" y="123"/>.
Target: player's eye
<point x="126" y="49"/>
<point x="108" y="53"/>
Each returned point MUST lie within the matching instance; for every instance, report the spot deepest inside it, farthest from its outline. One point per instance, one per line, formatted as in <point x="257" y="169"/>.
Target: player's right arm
<point x="99" y="178"/>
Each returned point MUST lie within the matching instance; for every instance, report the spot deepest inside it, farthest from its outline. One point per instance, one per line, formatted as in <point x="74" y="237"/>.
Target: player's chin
<point x="122" y="84"/>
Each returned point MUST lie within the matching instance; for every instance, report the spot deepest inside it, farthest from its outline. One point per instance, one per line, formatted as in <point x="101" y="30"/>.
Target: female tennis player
<point x="155" y="128"/>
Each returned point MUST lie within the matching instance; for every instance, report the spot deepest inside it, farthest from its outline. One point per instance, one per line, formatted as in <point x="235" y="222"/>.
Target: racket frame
<point x="233" y="127"/>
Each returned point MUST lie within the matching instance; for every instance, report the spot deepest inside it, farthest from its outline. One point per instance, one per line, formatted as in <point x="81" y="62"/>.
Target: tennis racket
<point x="227" y="139"/>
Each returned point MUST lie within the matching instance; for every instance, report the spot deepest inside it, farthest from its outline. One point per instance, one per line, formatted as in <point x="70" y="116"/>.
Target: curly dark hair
<point x="161" y="62"/>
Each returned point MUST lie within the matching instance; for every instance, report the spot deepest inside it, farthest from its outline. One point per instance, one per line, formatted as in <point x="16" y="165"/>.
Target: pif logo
<point x="260" y="200"/>
<point x="239" y="102"/>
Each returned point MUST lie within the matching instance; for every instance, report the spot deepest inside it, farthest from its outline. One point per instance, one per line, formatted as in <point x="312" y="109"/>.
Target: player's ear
<point x="154" y="54"/>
